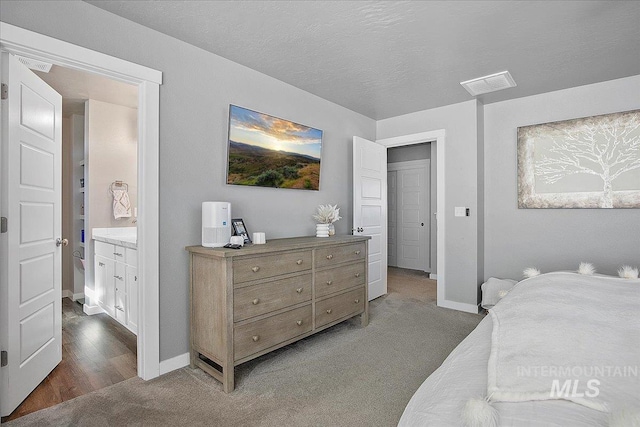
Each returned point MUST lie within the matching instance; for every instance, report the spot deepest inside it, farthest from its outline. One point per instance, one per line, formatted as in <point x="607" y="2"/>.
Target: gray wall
<point x="409" y="152"/>
<point x="194" y="99"/>
<point x="461" y="188"/>
<point x="552" y="239"/>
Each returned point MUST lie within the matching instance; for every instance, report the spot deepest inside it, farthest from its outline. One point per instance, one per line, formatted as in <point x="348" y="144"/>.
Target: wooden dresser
<point x="250" y="301"/>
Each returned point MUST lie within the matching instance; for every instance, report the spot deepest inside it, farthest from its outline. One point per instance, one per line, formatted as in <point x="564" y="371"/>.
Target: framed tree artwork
<point x="591" y="162"/>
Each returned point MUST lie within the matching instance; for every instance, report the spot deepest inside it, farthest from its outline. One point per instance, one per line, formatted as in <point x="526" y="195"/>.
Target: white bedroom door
<point x="30" y="278"/>
<point x="413" y="242"/>
<point x="370" y="208"/>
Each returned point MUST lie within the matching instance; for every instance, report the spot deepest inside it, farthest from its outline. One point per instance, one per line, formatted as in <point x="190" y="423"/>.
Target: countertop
<point x="121" y="236"/>
<point x="278" y="245"/>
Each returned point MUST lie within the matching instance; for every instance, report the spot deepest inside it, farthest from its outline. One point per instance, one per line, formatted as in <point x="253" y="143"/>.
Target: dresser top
<point x="278" y="245"/>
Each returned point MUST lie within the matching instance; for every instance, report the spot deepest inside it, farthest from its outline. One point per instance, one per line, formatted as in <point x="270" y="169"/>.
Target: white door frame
<point x="22" y="42"/>
<point x="437" y="137"/>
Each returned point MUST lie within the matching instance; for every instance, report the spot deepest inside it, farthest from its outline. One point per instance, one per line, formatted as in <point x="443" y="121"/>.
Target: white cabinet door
<point x="104" y="289"/>
<point x="132" y="298"/>
<point x="120" y="292"/>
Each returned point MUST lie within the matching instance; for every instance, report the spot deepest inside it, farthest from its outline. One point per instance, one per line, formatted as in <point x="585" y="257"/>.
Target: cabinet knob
<point x="357" y="252"/>
<point x="255" y="338"/>
<point x="330" y="256"/>
<point x="357" y="300"/>
<point x="255" y="269"/>
<point x="299" y="322"/>
<point x="329" y="282"/>
<point x="299" y="290"/>
<point x="329" y="311"/>
<point x="255" y="301"/>
<point x="299" y="262"/>
<point x="357" y="274"/>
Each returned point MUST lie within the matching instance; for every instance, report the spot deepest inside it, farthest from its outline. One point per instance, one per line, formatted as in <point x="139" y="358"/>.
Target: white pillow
<point x="491" y="290"/>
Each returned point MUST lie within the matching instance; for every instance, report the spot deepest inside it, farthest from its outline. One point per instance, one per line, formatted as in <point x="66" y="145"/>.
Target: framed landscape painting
<point x="591" y="162"/>
<point x="267" y="151"/>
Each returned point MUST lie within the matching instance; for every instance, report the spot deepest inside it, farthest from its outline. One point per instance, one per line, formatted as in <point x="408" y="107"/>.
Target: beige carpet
<point x="345" y="376"/>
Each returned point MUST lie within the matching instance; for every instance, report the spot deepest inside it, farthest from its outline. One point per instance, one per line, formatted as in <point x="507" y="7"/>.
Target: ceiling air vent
<point x="34" y="64"/>
<point x="491" y="83"/>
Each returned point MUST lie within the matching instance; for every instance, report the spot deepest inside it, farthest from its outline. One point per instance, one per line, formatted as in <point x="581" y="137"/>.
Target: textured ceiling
<point x="77" y="86"/>
<point x="386" y="58"/>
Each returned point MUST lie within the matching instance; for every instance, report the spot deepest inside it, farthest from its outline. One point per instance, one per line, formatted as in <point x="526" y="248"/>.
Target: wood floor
<point x="96" y="352"/>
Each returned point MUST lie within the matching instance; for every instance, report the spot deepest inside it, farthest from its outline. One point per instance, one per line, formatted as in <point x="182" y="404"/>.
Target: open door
<point x="31" y="247"/>
<point x="370" y="208"/>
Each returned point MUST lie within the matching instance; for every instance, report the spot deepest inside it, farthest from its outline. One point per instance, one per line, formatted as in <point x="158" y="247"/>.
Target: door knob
<point x="61" y="242"/>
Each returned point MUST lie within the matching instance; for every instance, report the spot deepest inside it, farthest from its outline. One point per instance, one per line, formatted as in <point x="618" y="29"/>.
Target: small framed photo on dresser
<point x="239" y="229"/>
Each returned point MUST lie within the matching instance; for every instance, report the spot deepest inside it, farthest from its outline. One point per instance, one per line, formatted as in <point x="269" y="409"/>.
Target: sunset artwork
<point x="267" y="151"/>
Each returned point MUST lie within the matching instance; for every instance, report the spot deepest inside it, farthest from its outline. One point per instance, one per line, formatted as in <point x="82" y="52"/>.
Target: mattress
<point x="463" y="375"/>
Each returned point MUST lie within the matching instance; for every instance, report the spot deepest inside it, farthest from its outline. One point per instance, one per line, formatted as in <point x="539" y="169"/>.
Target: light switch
<point x="461" y="211"/>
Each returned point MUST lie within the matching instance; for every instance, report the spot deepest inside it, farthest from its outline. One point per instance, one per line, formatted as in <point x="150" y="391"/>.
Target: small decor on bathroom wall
<point x="267" y="151"/>
<point x="591" y="162"/>
<point x="325" y="217"/>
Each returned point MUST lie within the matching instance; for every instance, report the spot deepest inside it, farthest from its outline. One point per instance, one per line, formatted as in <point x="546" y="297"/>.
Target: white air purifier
<point x="216" y="224"/>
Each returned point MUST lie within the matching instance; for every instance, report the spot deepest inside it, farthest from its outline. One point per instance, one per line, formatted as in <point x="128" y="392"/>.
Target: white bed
<point x="440" y="400"/>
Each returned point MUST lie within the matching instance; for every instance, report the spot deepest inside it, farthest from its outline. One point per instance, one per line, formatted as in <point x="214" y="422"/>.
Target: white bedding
<point x="463" y="375"/>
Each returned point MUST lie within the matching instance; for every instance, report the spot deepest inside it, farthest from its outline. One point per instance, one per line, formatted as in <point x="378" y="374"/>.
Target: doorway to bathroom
<point x="20" y="42"/>
<point x="99" y="223"/>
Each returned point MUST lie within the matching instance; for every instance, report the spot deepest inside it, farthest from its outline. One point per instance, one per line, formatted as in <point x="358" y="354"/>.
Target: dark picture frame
<point x="239" y="229"/>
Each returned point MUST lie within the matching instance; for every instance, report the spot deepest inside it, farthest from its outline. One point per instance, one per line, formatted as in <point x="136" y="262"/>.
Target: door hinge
<point x="3" y="224"/>
<point x="4" y="93"/>
<point x="4" y="358"/>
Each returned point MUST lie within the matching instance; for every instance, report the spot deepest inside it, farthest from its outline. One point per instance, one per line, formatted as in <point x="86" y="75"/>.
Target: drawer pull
<point x="357" y="252"/>
<point x="330" y="256"/>
<point x="299" y="290"/>
<point x="117" y="277"/>
<point x="255" y="269"/>
<point x="357" y="300"/>
<point x="117" y="254"/>
<point x="299" y="322"/>
<point x="101" y="264"/>
<point x="299" y="262"/>
<point x="329" y="311"/>
<point x="329" y="282"/>
<point x="357" y="274"/>
<point x="255" y="338"/>
<point x="255" y="301"/>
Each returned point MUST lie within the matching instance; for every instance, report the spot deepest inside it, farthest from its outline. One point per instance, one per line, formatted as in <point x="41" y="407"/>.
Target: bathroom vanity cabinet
<point x="116" y="282"/>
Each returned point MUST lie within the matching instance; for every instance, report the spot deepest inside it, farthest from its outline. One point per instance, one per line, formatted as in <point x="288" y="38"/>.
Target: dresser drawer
<point x="265" y="297"/>
<point x="246" y="269"/>
<point x="262" y="334"/>
<point x="340" y="278"/>
<point x="334" y="308"/>
<point x="339" y="254"/>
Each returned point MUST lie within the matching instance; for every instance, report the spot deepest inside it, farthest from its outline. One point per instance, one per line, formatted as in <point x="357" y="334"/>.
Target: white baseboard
<point x="92" y="309"/>
<point x="460" y="306"/>
<point x="66" y="293"/>
<point x="77" y="296"/>
<point x="174" y="363"/>
<point x="433" y="276"/>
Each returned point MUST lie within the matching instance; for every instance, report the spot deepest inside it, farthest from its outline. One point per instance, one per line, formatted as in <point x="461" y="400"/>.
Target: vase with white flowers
<point x="326" y="216"/>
